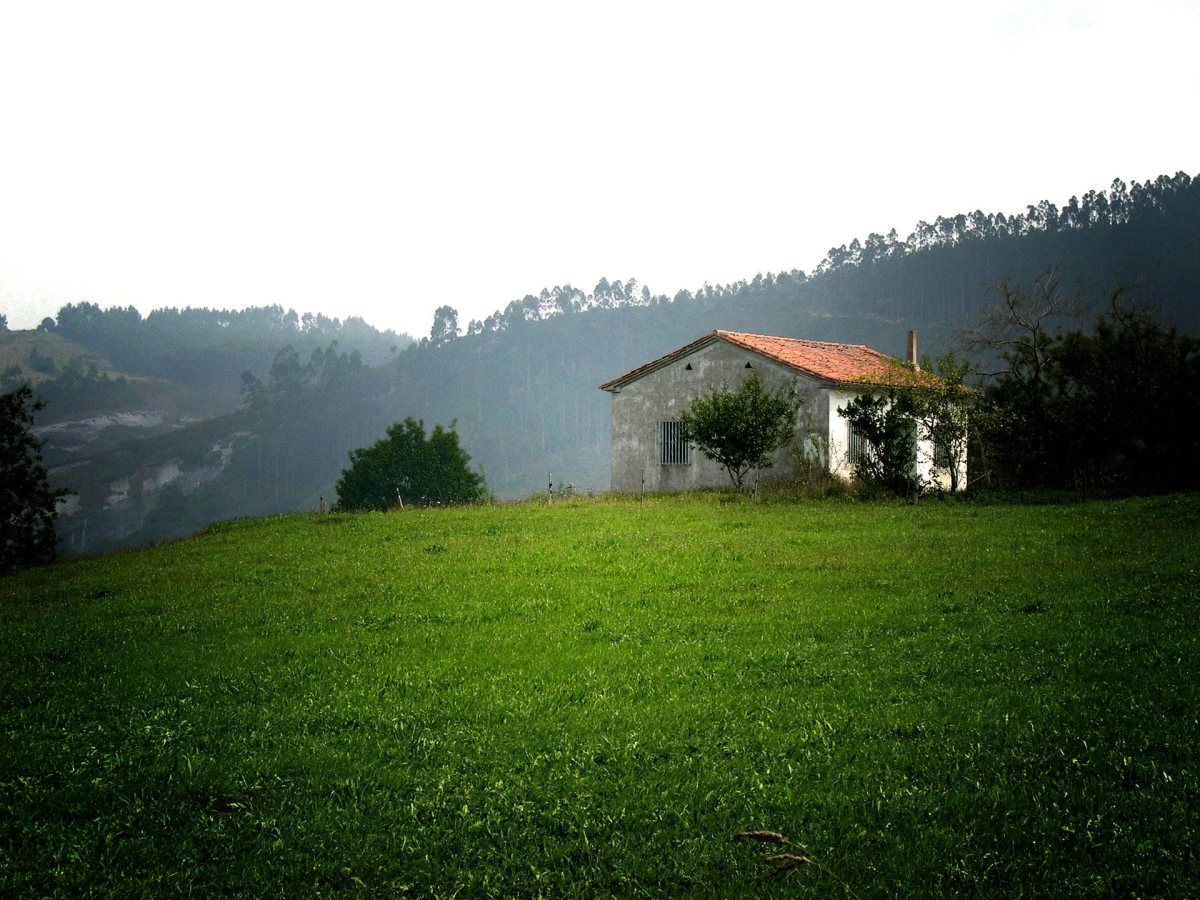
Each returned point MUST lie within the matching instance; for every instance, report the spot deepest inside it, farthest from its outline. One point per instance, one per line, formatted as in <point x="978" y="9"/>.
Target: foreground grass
<point x="941" y="700"/>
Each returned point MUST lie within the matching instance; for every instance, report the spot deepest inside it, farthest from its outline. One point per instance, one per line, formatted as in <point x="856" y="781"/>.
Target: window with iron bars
<point x="941" y="455"/>
<point x="674" y="449"/>
<point x="860" y="450"/>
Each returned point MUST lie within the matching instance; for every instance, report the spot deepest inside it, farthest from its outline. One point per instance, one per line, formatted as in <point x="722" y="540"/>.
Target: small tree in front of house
<point x="883" y="444"/>
<point x="943" y="409"/>
<point x="740" y="429"/>
<point x="911" y="404"/>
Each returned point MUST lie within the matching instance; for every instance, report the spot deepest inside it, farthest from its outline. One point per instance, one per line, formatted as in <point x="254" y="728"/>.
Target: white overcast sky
<point x="382" y="159"/>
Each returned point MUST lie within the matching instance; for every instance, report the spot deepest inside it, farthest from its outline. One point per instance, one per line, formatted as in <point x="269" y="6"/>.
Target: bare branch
<point x="1021" y="323"/>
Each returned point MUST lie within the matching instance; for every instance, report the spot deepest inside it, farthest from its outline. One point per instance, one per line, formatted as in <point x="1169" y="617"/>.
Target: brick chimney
<point x="912" y="350"/>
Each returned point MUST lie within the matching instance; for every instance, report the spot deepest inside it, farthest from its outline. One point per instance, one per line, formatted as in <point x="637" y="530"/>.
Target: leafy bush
<point x="739" y="429"/>
<point x="890" y="444"/>
<point x="407" y="467"/>
<point x="40" y="363"/>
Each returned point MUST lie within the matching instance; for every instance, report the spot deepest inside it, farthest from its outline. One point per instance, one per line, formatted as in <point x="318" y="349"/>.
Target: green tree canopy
<point x="27" y="503"/>
<point x="739" y="429"/>
<point x="1126" y="408"/>
<point x="410" y="467"/>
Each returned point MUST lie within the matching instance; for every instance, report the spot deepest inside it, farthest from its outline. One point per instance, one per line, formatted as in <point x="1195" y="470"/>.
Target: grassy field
<point x="593" y="699"/>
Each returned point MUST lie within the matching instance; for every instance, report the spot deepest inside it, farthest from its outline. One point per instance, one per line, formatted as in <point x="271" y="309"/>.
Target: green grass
<point x="593" y="699"/>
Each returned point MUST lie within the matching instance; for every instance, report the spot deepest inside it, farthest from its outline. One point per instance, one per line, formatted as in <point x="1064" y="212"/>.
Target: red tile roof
<point x="824" y="360"/>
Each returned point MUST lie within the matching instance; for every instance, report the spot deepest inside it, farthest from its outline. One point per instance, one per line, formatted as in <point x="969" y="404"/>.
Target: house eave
<point x="614" y="386"/>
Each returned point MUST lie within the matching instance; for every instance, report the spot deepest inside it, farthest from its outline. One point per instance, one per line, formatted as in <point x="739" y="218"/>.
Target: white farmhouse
<point x="647" y="449"/>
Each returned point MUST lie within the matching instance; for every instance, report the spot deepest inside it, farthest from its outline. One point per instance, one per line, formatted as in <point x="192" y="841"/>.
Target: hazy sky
<point x="382" y="159"/>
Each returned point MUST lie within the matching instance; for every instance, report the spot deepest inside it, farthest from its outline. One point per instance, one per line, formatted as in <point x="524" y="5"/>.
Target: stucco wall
<point x="662" y="395"/>
<point x="838" y="430"/>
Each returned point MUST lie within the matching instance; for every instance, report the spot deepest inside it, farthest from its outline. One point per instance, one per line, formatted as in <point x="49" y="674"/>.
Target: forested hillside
<point x="522" y="384"/>
<point x="205" y="346"/>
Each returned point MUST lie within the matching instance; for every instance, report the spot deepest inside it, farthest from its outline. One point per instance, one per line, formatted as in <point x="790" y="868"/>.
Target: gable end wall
<point x="663" y="394"/>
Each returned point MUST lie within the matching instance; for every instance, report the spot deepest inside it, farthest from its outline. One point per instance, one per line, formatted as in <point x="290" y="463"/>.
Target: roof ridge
<point x="795" y="340"/>
<point x="828" y="361"/>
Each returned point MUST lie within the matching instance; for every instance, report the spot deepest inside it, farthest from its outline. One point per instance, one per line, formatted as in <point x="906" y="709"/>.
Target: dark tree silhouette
<point x="406" y="466"/>
<point x="27" y="503"/>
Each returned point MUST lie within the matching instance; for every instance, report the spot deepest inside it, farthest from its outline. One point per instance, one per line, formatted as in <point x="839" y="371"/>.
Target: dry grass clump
<point x="811" y="480"/>
<point x="786" y="861"/>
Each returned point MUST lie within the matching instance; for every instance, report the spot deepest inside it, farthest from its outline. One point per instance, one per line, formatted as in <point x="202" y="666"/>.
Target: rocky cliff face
<point x="120" y="465"/>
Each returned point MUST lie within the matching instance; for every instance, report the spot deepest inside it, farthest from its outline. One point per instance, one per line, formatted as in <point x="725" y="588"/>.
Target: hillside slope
<point x="36" y="356"/>
<point x="140" y="412"/>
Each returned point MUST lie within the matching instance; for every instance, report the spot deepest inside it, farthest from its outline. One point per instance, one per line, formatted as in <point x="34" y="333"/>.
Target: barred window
<point x="674" y="449"/>
<point x="941" y="455"/>
<point x="859" y="448"/>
